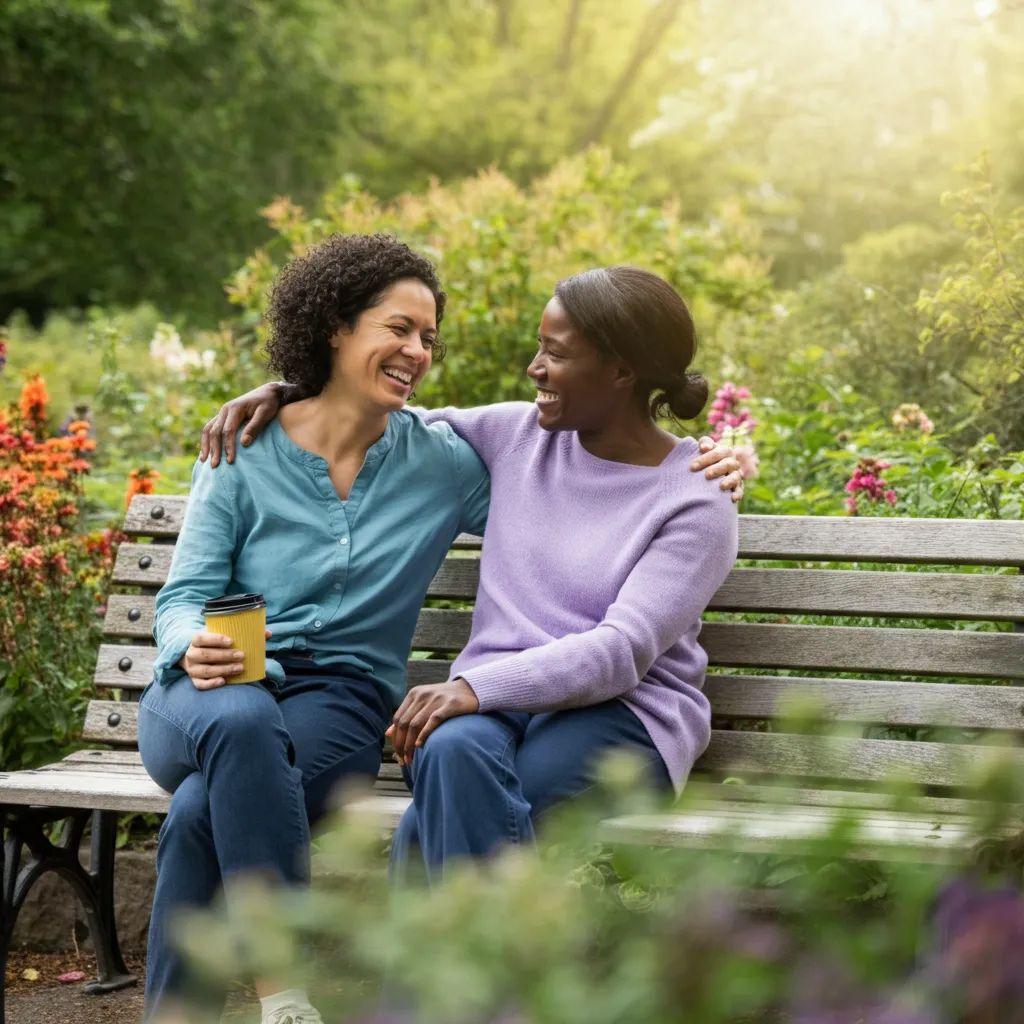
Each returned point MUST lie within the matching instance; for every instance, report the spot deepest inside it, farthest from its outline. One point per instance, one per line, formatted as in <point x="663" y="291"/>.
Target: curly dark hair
<point x="329" y="287"/>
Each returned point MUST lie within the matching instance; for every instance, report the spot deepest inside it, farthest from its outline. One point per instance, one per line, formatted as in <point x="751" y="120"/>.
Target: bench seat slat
<point x="879" y="835"/>
<point x="778" y="754"/>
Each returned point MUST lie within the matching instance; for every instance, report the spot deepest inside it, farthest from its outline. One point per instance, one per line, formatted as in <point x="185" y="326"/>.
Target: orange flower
<point x="79" y="425"/>
<point x="140" y="481"/>
<point x="34" y="400"/>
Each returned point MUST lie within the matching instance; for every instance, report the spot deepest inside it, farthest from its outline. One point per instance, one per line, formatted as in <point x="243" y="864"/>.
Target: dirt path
<point x="47" y="1001"/>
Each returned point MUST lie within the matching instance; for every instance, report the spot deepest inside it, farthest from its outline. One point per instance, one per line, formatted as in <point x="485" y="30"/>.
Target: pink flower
<point x="726" y="412"/>
<point x="748" y="460"/>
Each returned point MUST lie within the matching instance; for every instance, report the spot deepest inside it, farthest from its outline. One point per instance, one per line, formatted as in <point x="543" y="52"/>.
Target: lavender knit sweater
<point x="594" y="578"/>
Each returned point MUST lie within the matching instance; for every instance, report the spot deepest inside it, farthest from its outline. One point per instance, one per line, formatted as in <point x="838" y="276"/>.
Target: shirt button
<point x="337" y="586"/>
<point x="317" y="624"/>
<point x="344" y="540"/>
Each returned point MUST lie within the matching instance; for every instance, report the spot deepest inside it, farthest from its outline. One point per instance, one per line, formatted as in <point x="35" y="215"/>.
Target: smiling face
<point x="578" y="388"/>
<point x="380" y="361"/>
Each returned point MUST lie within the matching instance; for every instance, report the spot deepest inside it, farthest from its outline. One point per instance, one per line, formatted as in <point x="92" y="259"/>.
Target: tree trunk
<point x="658" y="22"/>
<point x="571" y="24"/>
<point x="503" y="33"/>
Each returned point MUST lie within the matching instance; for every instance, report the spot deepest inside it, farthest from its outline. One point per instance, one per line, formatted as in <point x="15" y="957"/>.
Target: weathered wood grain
<point x="112" y="721"/>
<point x="130" y="616"/>
<point x="856" y="760"/>
<point x="922" y="595"/>
<point x="863" y="649"/>
<point x="143" y="565"/>
<point x="136" y="674"/>
<point x="94" y="789"/>
<point x="854" y="539"/>
<point x="140" y="520"/>
<point x="808" y="591"/>
<point x="147" y="565"/>
<point x="870" y="836"/>
<point x="433" y="671"/>
<point x="801" y="538"/>
<point x="155" y="515"/>
<point x="868" y="702"/>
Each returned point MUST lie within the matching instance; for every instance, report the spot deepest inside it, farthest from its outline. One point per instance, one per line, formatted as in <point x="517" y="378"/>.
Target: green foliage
<point x="501" y="249"/>
<point x="588" y="931"/>
<point x="976" y="314"/>
<point x="836" y="118"/>
<point x="811" y="441"/>
<point x="139" y="137"/>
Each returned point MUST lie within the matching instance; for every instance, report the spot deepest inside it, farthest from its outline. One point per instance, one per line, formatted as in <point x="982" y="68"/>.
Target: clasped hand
<point x="424" y="709"/>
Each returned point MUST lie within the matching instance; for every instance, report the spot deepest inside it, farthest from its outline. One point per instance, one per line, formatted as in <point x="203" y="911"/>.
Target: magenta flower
<point x="727" y="414"/>
<point x="868" y="484"/>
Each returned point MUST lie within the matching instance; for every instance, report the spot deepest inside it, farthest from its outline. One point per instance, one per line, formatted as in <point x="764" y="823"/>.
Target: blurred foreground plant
<point x="592" y="931"/>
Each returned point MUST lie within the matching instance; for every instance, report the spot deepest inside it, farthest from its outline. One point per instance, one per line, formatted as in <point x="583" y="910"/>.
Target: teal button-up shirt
<point x="342" y="579"/>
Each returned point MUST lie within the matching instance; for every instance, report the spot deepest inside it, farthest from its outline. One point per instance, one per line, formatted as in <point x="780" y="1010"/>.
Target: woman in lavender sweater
<point x="602" y="551"/>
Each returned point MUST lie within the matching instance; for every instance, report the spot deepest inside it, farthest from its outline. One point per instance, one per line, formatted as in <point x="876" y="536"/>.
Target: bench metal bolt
<point x="124" y="664"/>
<point x="134" y="614"/>
<point x="113" y="719"/>
<point x="145" y="562"/>
<point x="157" y="512"/>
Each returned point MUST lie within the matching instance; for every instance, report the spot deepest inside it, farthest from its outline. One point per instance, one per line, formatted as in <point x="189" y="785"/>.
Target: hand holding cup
<point x="212" y="661"/>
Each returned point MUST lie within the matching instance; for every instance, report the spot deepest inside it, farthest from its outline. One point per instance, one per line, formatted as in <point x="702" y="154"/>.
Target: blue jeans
<point x="250" y="766"/>
<point x="481" y="781"/>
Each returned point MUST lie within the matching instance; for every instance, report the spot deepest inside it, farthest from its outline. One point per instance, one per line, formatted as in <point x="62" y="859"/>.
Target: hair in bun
<point x="639" y="318"/>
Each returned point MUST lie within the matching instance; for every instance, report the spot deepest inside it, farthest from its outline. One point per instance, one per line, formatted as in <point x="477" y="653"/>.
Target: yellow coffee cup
<point x="243" y="617"/>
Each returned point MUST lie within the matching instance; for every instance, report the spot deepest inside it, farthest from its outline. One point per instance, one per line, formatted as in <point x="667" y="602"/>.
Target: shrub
<point x="500" y="250"/>
<point x="51" y="581"/>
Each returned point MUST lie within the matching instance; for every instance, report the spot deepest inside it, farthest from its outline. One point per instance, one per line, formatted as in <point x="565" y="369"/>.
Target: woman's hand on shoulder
<point x="424" y="709"/>
<point x="255" y="409"/>
<point x="719" y="461"/>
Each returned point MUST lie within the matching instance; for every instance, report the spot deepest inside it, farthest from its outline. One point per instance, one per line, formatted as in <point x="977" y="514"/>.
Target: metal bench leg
<point x="6" y="926"/>
<point x="94" y="888"/>
<point x="113" y="973"/>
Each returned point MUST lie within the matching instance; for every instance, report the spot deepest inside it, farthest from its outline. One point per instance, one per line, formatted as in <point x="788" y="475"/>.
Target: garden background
<point x="835" y="186"/>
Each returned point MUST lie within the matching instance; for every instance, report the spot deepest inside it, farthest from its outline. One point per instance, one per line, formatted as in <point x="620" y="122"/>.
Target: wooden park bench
<point x="825" y="778"/>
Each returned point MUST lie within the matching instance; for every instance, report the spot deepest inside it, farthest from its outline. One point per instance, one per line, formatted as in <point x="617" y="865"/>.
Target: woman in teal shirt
<point x="340" y="516"/>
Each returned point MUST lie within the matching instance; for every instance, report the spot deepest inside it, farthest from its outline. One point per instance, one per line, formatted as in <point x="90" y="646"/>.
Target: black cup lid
<point x="234" y="603"/>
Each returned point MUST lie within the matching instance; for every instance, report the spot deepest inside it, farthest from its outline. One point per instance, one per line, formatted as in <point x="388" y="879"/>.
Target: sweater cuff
<point x="504" y="685"/>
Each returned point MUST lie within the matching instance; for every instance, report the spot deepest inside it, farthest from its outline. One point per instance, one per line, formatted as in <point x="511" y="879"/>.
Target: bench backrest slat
<point x="735" y="644"/>
<point x="940" y="595"/>
<point x="795" y="538"/>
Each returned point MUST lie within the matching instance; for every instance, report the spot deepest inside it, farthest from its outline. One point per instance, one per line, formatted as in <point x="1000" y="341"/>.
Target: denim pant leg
<point x="233" y="741"/>
<point x="187" y="878"/>
<point x="467" y="800"/>
<point x="337" y="725"/>
<point x="562" y="750"/>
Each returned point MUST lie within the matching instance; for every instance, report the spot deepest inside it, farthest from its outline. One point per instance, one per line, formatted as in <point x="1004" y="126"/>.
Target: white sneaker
<point x="294" y="1013"/>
